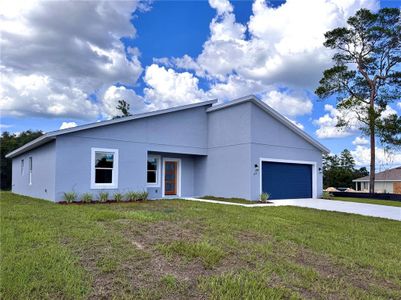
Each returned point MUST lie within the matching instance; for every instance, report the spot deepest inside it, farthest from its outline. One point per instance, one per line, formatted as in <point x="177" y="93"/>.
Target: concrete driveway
<point x="372" y="210"/>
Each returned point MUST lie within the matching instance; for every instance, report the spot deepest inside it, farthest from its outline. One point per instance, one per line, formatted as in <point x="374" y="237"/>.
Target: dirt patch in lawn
<point x="147" y="237"/>
<point x="362" y="278"/>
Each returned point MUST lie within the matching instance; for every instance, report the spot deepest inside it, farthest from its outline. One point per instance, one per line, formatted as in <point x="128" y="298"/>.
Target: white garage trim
<point x="301" y="162"/>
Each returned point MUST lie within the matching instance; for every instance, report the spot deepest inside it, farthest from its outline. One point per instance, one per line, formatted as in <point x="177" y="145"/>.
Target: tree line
<point x="8" y="143"/>
<point x="339" y="170"/>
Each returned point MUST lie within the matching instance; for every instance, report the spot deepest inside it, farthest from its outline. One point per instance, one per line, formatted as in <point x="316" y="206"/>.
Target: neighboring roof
<point x="388" y="175"/>
<point x="53" y="134"/>
<point x="276" y="115"/>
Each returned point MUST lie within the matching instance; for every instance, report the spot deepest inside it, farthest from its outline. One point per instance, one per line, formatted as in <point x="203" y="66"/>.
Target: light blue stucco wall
<point x="218" y="152"/>
<point x="226" y="170"/>
<point x="43" y="172"/>
<point x="174" y="134"/>
<point x="239" y="136"/>
<point x="270" y="139"/>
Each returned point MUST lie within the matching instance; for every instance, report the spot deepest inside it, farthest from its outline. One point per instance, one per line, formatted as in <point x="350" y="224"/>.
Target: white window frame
<point x="114" y="183"/>
<point x="30" y="161"/>
<point x="302" y="162"/>
<point x="158" y="173"/>
<point x="22" y="167"/>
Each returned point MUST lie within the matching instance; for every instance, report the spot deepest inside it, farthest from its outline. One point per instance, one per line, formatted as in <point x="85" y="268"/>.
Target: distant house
<point x="239" y="148"/>
<point x="388" y="181"/>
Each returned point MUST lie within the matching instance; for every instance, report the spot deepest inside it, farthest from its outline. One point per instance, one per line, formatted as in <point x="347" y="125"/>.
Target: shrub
<point x="136" y="196"/>
<point x="86" y="197"/>
<point x="103" y="196"/>
<point x="118" y="197"/>
<point x="327" y="195"/>
<point x="144" y="195"/>
<point x="264" y="197"/>
<point x="70" y="197"/>
<point x="132" y="196"/>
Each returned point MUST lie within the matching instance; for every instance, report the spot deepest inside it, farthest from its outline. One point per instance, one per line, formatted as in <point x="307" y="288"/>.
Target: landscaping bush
<point x="327" y="195"/>
<point x="103" y="196"/>
<point x="118" y="197"/>
<point x="131" y="196"/>
<point x="136" y="196"/>
<point x="264" y="197"/>
<point x="70" y="197"/>
<point x="86" y="197"/>
<point x="144" y="195"/>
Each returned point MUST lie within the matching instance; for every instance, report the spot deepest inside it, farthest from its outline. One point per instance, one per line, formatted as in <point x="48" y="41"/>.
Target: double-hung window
<point x="104" y="173"/>
<point x="153" y="170"/>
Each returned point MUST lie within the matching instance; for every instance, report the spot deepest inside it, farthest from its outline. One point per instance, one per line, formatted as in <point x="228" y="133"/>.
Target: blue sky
<point x="72" y="70"/>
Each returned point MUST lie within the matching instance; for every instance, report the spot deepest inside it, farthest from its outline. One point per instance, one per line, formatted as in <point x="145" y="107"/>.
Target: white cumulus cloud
<point x="66" y="125"/>
<point x="279" y="47"/>
<point x="166" y="87"/>
<point x="287" y="104"/>
<point x="113" y="93"/>
<point x="384" y="158"/>
<point x="55" y="54"/>
<point x="327" y="123"/>
<point x="360" y="141"/>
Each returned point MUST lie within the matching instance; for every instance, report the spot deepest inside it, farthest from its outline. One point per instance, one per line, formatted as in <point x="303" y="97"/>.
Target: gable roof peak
<point x="272" y="112"/>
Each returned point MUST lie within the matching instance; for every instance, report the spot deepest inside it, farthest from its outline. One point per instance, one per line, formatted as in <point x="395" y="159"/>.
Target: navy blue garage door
<point x="287" y="181"/>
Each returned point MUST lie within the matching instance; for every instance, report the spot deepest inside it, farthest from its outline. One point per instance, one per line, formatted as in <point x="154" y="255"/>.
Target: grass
<point x="370" y="201"/>
<point x="183" y="249"/>
<point x="207" y="253"/>
<point x="233" y="200"/>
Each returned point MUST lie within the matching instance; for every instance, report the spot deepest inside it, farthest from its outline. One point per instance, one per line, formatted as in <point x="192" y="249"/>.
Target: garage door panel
<point x="286" y="180"/>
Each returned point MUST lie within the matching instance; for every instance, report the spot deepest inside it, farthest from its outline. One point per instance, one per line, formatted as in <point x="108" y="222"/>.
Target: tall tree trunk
<point x="372" y="160"/>
<point x="372" y="127"/>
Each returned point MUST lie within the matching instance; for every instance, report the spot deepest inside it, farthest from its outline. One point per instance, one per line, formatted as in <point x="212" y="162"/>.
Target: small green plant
<point x="103" y="196"/>
<point x="170" y="282"/>
<point x="264" y="197"/>
<point x="144" y="195"/>
<point x="70" y="197"/>
<point x="327" y="195"/>
<point x="118" y="197"/>
<point x="132" y="196"/>
<point x="86" y="197"/>
<point x="136" y="196"/>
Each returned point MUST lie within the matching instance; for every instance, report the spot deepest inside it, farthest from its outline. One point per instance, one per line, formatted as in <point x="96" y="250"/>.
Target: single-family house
<point x="388" y="181"/>
<point x="240" y="148"/>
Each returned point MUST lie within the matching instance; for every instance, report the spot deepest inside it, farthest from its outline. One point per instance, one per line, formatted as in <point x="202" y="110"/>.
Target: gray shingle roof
<point x="388" y="175"/>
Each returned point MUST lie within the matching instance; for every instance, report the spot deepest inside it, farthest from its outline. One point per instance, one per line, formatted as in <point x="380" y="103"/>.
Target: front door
<point x="170" y="178"/>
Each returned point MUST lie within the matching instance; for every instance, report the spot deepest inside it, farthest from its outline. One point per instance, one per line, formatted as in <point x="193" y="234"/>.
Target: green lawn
<point x="182" y="249"/>
<point x="232" y="200"/>
<point x="370" y="201"/>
